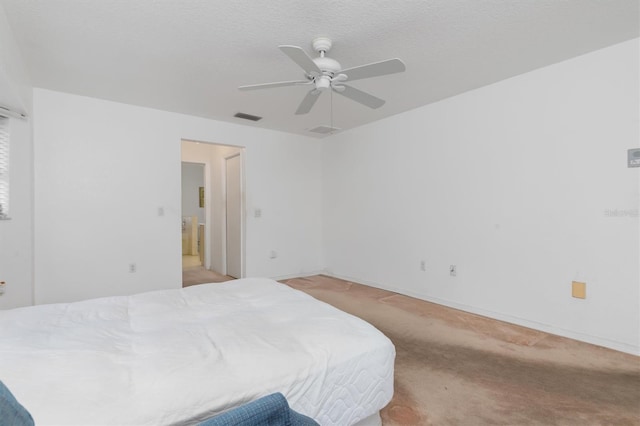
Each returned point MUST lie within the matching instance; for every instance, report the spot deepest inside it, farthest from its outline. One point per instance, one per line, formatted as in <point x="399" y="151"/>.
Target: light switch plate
<point x="633" y="157"/>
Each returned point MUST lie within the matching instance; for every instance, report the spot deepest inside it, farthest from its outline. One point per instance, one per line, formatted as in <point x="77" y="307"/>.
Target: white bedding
<point x="178" y="356"/>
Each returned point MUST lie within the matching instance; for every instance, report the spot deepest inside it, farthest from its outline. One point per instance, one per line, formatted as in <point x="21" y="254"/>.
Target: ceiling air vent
<point x="247" y="116"/>
<point x="323" y="130"/>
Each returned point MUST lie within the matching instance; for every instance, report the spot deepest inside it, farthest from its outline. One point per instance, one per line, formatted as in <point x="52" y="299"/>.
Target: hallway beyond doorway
<point x="189" y="261"/>
<point x="222" y="239"/>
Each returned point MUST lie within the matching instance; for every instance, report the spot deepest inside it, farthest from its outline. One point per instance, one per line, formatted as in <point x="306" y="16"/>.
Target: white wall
<point x="511" y="183"/>
<point x="96" y="212"/>
<point x="16" y="235"/>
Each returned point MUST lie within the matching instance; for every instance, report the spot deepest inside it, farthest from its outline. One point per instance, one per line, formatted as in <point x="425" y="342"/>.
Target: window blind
<point x="4" y="168"/>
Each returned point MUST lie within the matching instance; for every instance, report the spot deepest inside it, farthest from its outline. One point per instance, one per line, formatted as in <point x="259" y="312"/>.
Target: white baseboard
<point x="547" y="328"/>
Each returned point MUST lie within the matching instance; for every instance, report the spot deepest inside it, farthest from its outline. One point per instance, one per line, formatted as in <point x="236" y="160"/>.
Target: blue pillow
<point x="12" y="412"/>
<point x="270" y="410"/>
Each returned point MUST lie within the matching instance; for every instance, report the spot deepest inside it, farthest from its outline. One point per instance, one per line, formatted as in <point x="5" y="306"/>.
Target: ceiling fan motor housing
<point x="327" y="65"/>
<point x="329" y="68"/>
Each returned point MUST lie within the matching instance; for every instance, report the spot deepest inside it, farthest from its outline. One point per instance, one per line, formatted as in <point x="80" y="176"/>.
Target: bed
<point x="180" y="356"/>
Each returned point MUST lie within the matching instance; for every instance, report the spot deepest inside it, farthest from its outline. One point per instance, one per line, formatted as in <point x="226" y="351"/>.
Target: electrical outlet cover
<point x="579" y="290"/>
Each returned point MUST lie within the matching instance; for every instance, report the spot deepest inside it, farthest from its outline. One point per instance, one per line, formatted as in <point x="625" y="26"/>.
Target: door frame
<point x="242" y="213"/>
<point x="215" y="180"/>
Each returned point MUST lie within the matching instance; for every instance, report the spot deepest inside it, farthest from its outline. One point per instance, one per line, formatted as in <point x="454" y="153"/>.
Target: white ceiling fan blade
<point x="339" y="78"/>
<point x="300" y="57"/>
<point x="375" y="69"/>
<point x="276" y="84"/>
<point x="308" y="102"/>
<point x="361" y="97"/>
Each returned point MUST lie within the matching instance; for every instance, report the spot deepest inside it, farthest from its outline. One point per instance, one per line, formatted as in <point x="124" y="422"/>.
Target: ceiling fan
<point x="323" y="73"/>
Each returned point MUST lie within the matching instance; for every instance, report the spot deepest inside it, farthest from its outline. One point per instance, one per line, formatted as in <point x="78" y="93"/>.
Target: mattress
<point x="180" y="356"/>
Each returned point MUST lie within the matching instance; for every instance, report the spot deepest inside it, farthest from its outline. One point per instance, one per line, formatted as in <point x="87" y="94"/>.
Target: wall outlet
<point x="579" y="290"/>
<point x="257" y="213"/>
<point x="273" y="254"/>
<point x="423" y="265"/>
<point x="3" y="285"/>
<point x="132" y="268"/>
<point x="453" y="270"/>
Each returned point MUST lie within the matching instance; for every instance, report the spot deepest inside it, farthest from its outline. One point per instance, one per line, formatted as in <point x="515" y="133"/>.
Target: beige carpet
<point x="199" y="275"/>
<point x="454" y="368"/>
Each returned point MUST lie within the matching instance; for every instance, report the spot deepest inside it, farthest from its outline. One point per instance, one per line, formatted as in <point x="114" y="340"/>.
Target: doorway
<point x="224" y="231"/>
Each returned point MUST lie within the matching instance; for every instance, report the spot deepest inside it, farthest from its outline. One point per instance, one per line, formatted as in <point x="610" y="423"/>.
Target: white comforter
<point x="178" y="356"/>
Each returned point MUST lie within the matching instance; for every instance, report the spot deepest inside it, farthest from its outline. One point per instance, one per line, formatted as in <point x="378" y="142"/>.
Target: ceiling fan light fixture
<point x="323" y="82"/>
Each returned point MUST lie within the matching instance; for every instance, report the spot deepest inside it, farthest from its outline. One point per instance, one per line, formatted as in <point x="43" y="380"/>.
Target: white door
<point x="233" y="171"/>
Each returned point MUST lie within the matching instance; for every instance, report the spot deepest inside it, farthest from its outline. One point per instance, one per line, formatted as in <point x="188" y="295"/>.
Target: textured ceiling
<point x="189" y="56"/>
